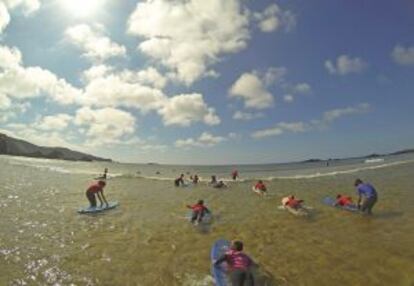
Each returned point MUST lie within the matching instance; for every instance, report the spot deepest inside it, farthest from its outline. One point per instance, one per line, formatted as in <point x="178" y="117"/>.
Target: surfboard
<point x="219" y="272"/>
<point x="303" y="211"/>
<point x="259" y="192"/>
<point x="89" y="210"/>
<point x="331" y="201"/>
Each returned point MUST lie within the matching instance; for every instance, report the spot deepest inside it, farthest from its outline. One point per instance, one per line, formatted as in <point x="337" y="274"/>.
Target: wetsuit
<point x="90" y="194"/>
<point x="239" y="266"/>
<point x="198" y="212"/>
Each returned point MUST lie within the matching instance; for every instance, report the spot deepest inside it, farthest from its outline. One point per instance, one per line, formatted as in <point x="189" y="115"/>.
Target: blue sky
<point x="209" y="82"/>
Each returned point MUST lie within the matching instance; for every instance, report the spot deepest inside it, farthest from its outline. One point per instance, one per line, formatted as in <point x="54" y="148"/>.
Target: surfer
<point x="343" y="201"/>
<point x="199" y="210"/>
<point x="97" y="189"/>
<point x="105" y="174"/>
<point x="234" y="174"/>
<point x="260" y="186"/>
<point x="292" y="202"/>
<point x="239" y="264"/>
<point x="219" y="185"/>
<point x="213" y="181"/>
<point x="367" y="196"/>
<point x="195" y="179"/>
<point x="179" y="181"/>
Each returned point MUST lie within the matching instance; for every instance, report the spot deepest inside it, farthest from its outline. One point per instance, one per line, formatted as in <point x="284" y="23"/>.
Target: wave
<point x="342" y="172"/>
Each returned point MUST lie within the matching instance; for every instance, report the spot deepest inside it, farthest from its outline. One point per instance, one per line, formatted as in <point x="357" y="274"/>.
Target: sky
<point x="209" y="82"/>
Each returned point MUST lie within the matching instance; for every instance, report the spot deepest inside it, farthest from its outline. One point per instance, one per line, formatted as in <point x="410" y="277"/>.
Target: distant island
<point x="370" y="156"/>
<point x="16" y="147"/>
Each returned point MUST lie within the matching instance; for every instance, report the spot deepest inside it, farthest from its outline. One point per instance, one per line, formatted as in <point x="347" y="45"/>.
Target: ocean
<point x="148" y="241"/>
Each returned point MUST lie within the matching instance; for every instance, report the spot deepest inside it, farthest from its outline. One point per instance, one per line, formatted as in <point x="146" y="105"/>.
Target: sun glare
<point x="81" y="8"/>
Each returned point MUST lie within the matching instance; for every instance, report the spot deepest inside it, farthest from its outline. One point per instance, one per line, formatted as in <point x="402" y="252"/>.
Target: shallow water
<point x="147" y="240"/>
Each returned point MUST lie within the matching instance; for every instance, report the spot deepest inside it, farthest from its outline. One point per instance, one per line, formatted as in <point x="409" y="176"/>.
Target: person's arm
<point x="220" y="260"/>
<point x="104" y="199"/>
<point x="359" y="201"/>
<point x="207" y="210"/>
<point x="99" y="197"/>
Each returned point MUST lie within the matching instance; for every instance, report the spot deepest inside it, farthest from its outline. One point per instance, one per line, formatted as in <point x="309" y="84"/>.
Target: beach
<point x="148" y="241"/>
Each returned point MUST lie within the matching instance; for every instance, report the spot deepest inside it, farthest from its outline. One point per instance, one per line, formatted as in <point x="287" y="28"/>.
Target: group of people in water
<point x="239" y="263"/>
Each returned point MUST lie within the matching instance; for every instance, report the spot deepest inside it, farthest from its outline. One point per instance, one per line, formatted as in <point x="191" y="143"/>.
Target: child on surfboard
<point x="199" y="211"/>
<point x="292" y="202"/>
<point x="96" y="189"/>
<point x="260" y="187"/>
<point x="343" y="201"/>
<point x="239" y="263"/>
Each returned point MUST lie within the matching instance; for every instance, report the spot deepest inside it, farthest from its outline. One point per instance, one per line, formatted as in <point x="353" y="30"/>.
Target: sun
<point x="81" y="8"/>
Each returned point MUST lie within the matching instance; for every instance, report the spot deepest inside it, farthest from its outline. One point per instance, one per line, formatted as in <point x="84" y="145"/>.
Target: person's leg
<point x="238" y="277"/>
<point x="200" y="216"/>
<point x="371" y="203"/>
<point x="91" y="198"/>
<point x="249" y="279"/>
<point x="194" y="216"/>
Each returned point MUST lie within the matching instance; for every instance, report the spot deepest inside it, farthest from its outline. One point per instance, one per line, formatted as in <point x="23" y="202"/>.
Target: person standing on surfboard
<point x="97" y="189"/>
<point x="367" y="196"/>
<point x="199" y="210"/>
<point x="239" y="264"/>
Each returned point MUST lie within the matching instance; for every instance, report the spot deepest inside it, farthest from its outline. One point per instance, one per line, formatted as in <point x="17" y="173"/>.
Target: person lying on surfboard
<point x="343" y="201"/>
<point x="199" y="210"/>
<point x="260" y="186"/>
<point x="97" y="189"/>
<point x="239" y="263"/>
<point x="292" y="202"/>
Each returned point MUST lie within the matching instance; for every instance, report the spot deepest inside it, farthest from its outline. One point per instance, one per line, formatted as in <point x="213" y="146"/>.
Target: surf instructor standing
<point x="97" y="189"/>
<point x="367" y="196"/>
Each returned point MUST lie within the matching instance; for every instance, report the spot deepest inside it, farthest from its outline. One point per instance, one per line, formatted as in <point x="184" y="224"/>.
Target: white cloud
<point x="253" y="91"/>
<point x="334" y="114"/>
<point x="4" y="17"/>
<point x="288" y="98"/>
<point x="189" y="36"/>
<point x="5" y="102"/>
<point x="27" y="6"/>
<point x="246" y="116"/>
<point x="328" y="117"/>
<point x="149" y="76"/>
<point x="204" y="140"/>
<point x="115" y="91"/>
<point x="273" y="75"/>
<point x="302" y="88"/>
<point x="345" y="65"/>
<point x="270" y="132"/>
<point x="56" y="122"/>
<point x="187" y="108"/>
<point x="21" y="82"/>
<point x="105" y="126"/>
<point x="96" y="72"/>
<point x="94" y="43"/>
<point x="403" y="55"/>
<point x="272" y="18"/>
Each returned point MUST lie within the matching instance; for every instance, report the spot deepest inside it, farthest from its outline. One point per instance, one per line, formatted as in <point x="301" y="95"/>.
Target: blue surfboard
<point x="89" y="210"/>
<point x="331" y="201"/>
<point x="219" y="272"/>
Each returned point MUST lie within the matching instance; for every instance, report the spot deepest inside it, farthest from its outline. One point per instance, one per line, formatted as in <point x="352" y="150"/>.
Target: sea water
<point x="148" y="241"/>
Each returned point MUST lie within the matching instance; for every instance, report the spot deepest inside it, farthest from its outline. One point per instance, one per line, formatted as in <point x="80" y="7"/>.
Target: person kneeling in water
<point x="97" y="189"/>
<point x="260" y="186"/>
<point x="343" y="201"/>
<point x="179" y="181"/>
<point x="199" y="210"/>
<point x="239" y="264"/>
<point x="292" y="202"/>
